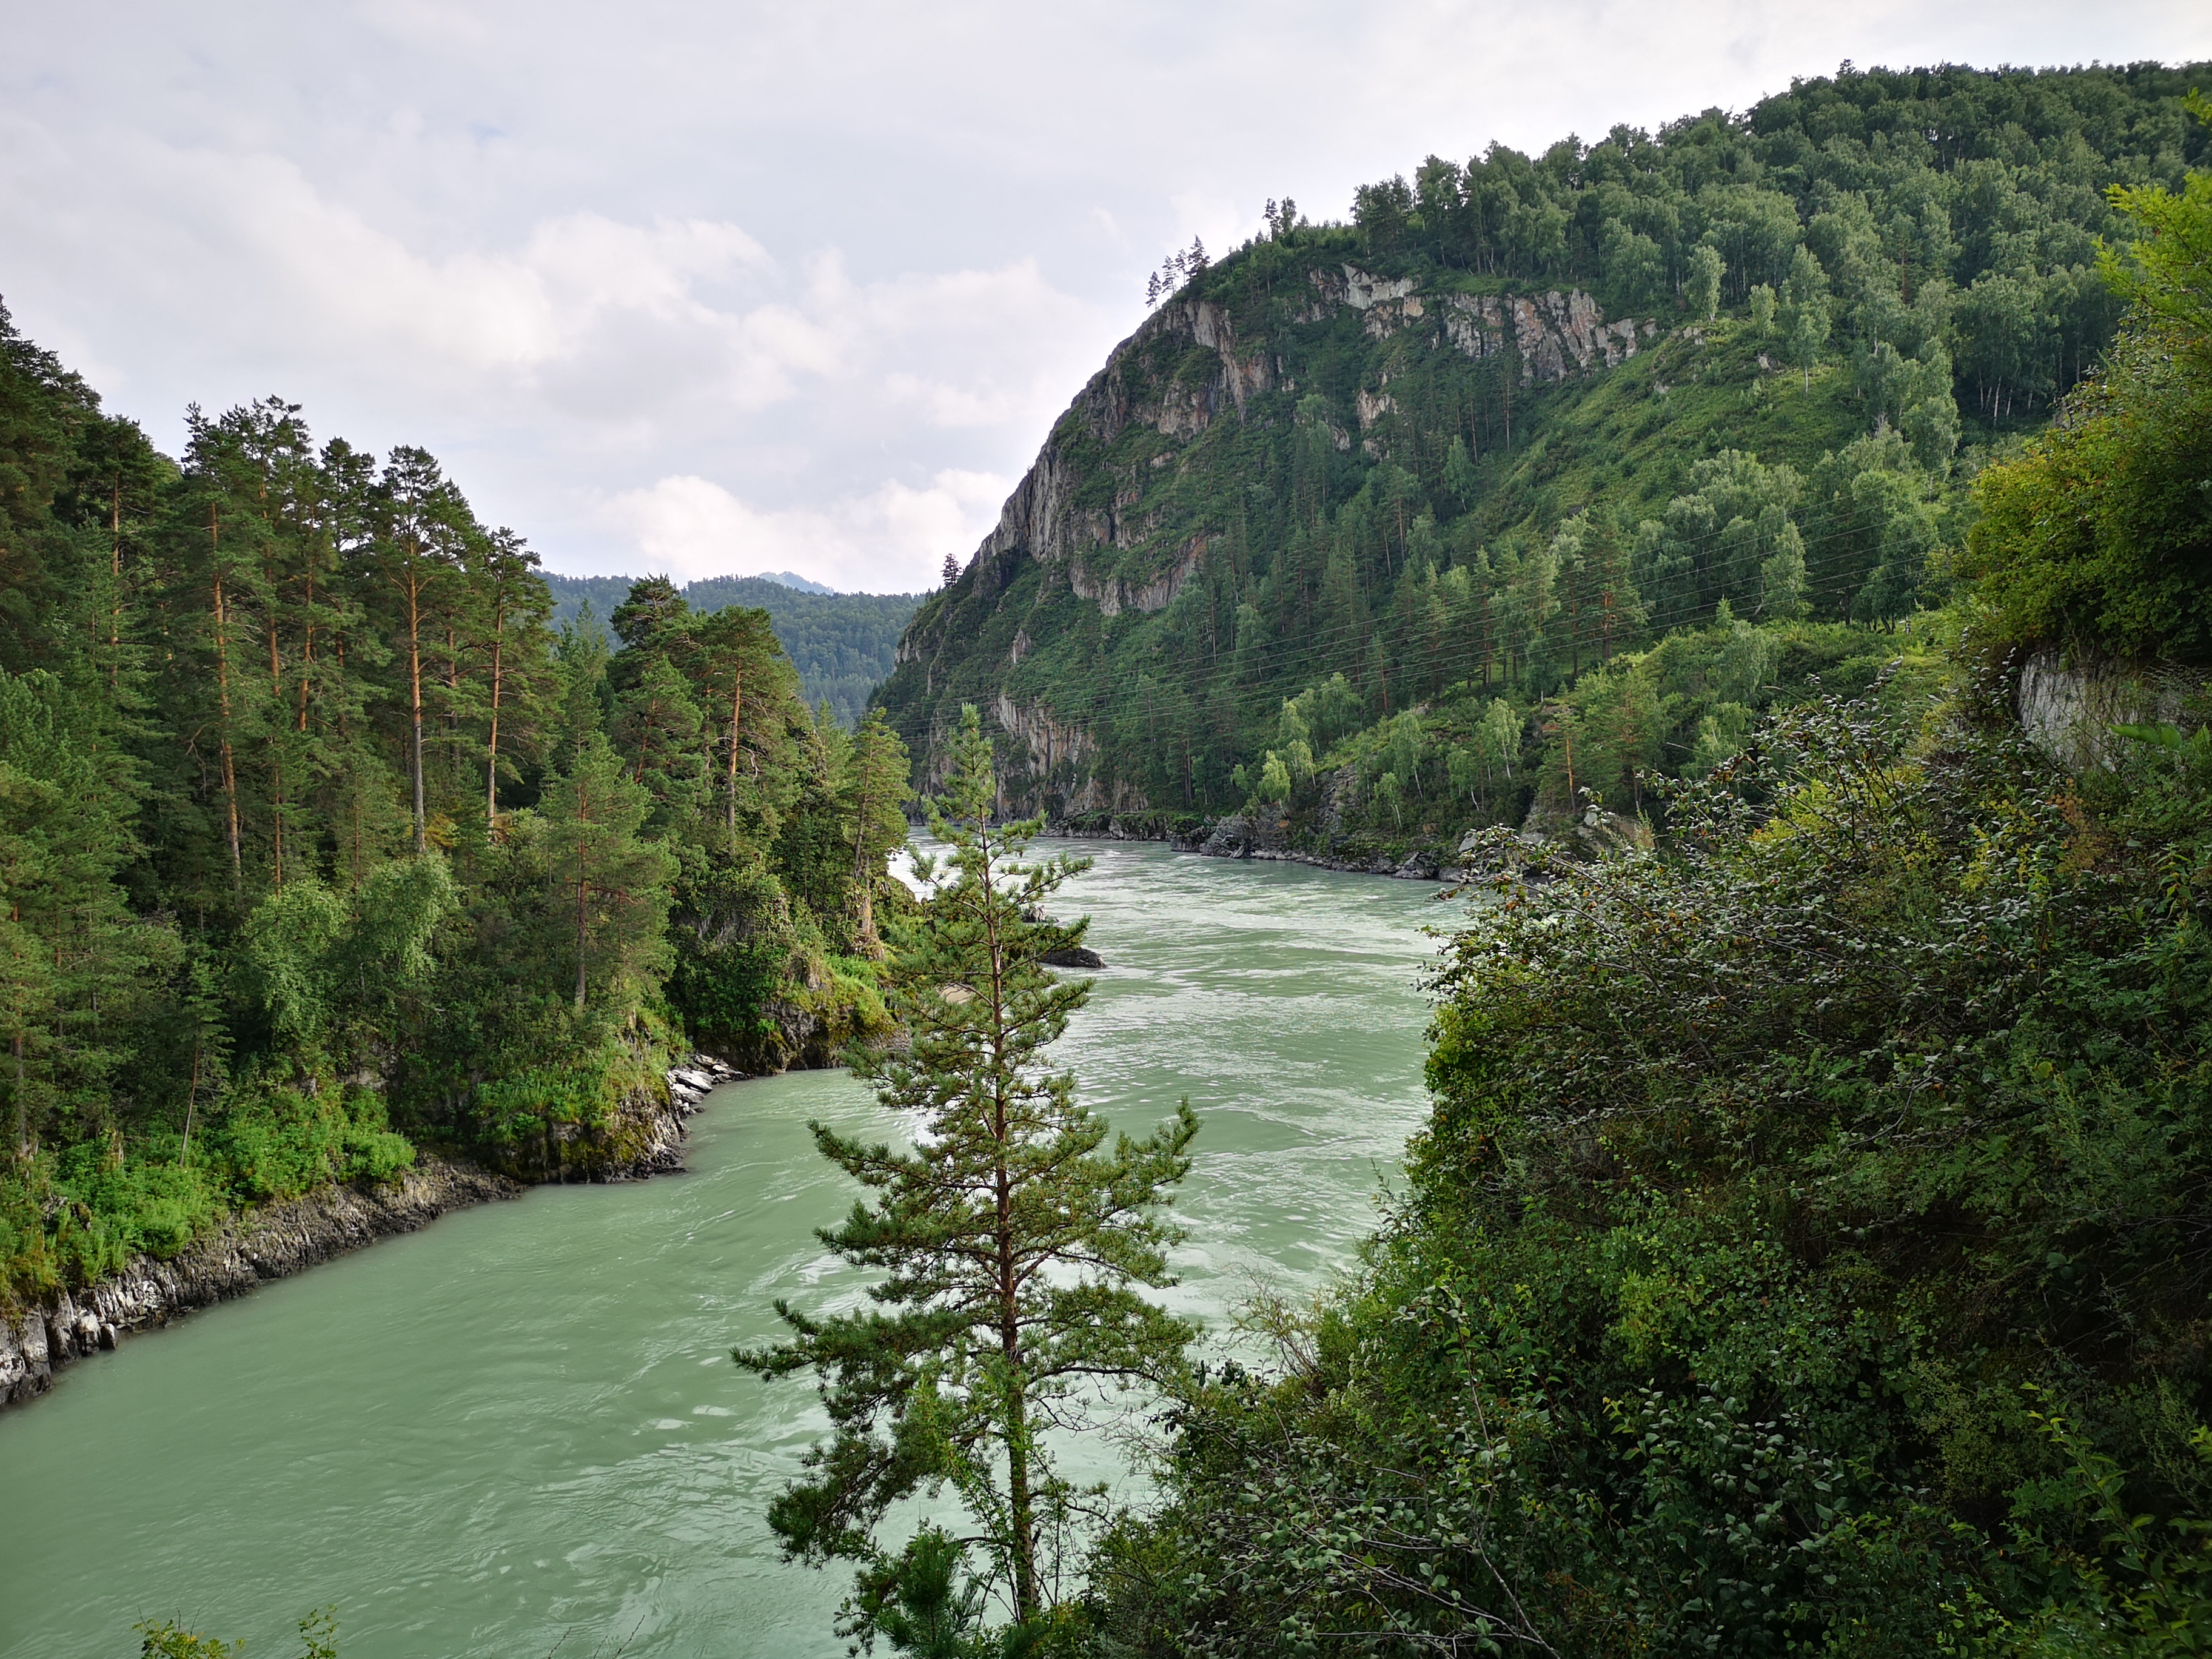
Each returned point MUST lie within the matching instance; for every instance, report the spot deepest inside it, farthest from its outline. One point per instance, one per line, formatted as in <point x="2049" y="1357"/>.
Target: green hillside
<point x="1805" y="1250"/>
<point x="1545" y="475"/>
<point x="841" y="644"/>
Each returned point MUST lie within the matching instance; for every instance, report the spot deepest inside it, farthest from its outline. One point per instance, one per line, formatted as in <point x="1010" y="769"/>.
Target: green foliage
<point x="316" y="842"/>
<point x="1015" y="1246"/>
<point x="1772" y="1181"/>
<point x="167" y="1639"/>
<point x="2099" y="536"/>
<point x="841" y="644"/>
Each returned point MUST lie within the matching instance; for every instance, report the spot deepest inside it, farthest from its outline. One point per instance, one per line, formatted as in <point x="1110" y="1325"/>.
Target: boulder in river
<point x="1073" y="956"/>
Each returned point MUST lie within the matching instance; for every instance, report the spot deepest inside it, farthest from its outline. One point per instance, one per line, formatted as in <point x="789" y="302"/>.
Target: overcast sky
<point x="712" y="288"/>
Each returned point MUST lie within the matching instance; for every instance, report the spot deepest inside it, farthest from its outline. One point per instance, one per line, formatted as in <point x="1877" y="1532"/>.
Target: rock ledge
<point x="277" y="1240"/>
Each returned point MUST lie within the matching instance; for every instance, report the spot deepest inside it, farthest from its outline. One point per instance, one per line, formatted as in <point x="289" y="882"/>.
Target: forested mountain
<point x="318" y="842"/>
<point x="1806" y="1249"/>
<point x="843" y="645"/>
<point x="1545" y="475"/>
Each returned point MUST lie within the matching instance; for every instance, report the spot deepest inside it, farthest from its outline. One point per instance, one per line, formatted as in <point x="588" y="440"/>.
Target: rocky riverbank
<point x="1598" y="833"/>
<point x="276" y="1240"/>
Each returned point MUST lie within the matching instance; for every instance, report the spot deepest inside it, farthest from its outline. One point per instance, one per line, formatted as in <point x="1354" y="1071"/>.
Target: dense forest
<point x="1806" y="1251"/>
<point x="1380" y="531"/>
<point x="318" y="844"/>
<point x="1806" y="1248"/>
<point x="842" y="645"/>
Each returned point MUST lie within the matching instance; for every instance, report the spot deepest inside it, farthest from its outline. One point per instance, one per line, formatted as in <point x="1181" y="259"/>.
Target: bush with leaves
<point x="1776" y="1181"/>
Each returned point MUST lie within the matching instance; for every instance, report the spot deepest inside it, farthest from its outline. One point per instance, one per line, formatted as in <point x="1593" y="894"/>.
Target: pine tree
<point x="875" y="793"/>
<point x="414" y="562"/>
<point x="735" y="661"/>
<point x="657" y="725"/>
<point x="513" y="642"/>
<point x="613" y="882"/>
<point x="1014" y="1244"/>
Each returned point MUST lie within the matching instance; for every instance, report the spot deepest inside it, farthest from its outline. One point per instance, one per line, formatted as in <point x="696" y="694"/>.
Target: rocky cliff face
<point x="2069" y="707"/>
<point x="1134" y="493"/>
<point x="1556" y="336"/>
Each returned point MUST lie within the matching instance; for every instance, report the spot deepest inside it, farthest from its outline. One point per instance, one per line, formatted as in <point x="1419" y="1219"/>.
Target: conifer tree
<point x="613" y="882"/>
<point x="1015" y="1243"/>
<point x="513" y="641"/>
<point x="658" y="725"/>
<point x="413" y="562"/>
<point x="877" y="790"/>
<point x="734" y="653"/>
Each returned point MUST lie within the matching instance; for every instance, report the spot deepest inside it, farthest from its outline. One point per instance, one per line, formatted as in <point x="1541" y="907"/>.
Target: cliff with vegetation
<point x="1543" y="478"/>
<point x="1806" y="1250"/>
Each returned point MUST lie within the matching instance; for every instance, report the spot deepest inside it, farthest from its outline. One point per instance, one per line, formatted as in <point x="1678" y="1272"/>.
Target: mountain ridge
<point x="1525" y="420"/>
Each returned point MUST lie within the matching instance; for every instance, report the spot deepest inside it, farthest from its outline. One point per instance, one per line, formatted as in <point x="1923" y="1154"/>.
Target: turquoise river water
<point x="519" y="1430"/>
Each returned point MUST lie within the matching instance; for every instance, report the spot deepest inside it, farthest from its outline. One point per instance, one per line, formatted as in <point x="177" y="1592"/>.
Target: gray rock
<point x="1073" y="956"/>
<point x="2069" y="709"/>
<point x="266" y="1243"/>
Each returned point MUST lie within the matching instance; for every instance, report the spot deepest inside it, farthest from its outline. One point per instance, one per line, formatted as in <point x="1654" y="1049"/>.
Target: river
<point x="519" y="1429"/>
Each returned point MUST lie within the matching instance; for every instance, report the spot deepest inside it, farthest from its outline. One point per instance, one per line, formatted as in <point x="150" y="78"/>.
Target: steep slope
<point x="1805" y="1249"/>
<point x="1519" y="422"/>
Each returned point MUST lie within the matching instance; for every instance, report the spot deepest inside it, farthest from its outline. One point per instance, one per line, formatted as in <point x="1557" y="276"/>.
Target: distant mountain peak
<point x="793" y="579"/>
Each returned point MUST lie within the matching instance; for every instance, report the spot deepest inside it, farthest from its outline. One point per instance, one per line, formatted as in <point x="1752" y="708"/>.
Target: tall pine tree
<point x="1016" y="1244"/>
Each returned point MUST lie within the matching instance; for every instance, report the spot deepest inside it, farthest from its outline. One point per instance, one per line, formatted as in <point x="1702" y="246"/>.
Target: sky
<point x="709" y="288"/>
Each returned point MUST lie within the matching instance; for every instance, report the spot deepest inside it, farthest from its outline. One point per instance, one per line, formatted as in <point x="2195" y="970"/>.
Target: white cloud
<point x="737" y="267"/>
<point x="892" y="539"/>
<point x="1220" y="221"/>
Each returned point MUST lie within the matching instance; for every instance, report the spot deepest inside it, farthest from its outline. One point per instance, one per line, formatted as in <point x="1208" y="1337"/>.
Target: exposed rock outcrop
<point x="276" y="1240"/>
<point x="2068" y="708"/>
<point x="1595" y="834"/>
<point x="266" y="1243"/>
<point x="1114" y="594"/>
<point x="1091" y="514"/>
<point x="1557" y="335"/>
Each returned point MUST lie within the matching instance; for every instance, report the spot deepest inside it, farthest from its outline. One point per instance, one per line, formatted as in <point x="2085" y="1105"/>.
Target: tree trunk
<point x="1020" y="1503"/>
<point x="583" y="914"/>
<point x="222" y="703"/>
<point x="115" y="586"/>
<point x="415" y="702"/>
<point x="737" y="706"/>
<point x="492" y="760"/>
<point x="308" y="650"/>
<point x="452" y="702"/>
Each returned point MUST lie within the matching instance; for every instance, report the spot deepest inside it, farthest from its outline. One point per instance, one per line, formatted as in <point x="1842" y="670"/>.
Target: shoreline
<point x="1216" y="842"/>
<point x="275" y="1241"/>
